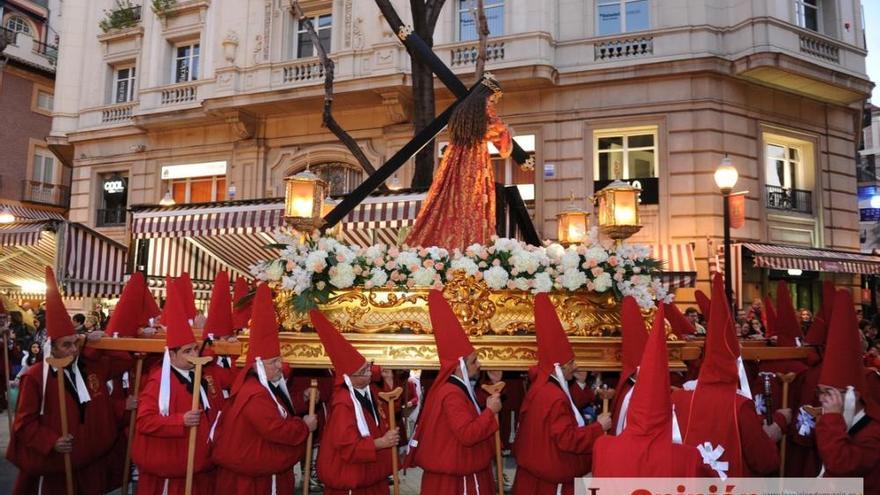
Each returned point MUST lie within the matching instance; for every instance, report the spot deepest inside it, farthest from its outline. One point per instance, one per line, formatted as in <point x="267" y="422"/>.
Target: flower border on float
<point x="313" y="267"/>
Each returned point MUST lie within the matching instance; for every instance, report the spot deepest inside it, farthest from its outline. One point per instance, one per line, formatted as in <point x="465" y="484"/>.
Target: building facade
<point x="207" y="101"/>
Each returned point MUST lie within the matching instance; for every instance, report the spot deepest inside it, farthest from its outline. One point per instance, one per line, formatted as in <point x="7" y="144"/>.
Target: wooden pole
<point x="390" y="397"/>
<point x="59" y="364"/>
<point x="126" y="474"/>
<point x="786" y="379"/>
<point x="493" y="389"/>
<point x="8" y="378"/>
<point x="307" y="464"/>
<point x="193" y="430"/>
<point x="606" y="402"/>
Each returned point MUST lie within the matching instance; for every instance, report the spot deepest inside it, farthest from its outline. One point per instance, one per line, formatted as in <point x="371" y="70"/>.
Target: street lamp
<point x="725" y="178"/>
<point x="303" y="201"/>
<point x="618" y="210"/>
<point x="572" y="224"/>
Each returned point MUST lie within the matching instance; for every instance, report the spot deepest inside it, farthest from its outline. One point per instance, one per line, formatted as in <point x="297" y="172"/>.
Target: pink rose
<point x="340" y="258"/>
<point x="389" y="285"/>
<point x="368" y="284"/>
<point x="582" y="249"/>
<point x="612" y="260"/>
<point x="484" y="254"/>
<point x="394" y="252"/>
<point x="378" y="262"/>
<point x="496" y="262"/>
<point x="391" y="265"/>
<point x="290" y="264"/>
<point x="590" y="285"/>
<point x="511" y="285"/>
<point x="357" y="270"/>
<point x="412" y="268"/>
<point x="596" y="271"/>
<point x="428" y="264"/>
<point x="618" y="277"/>
<point x="438" y="266"/>
<point x="591" y="263"/>
<point x="423" y="253"/>
<point x="410" y="283"/>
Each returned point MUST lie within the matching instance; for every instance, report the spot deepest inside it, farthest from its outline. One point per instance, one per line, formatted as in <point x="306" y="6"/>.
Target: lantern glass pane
<point x="625" y="208"/>
<point x="300" y="199"/>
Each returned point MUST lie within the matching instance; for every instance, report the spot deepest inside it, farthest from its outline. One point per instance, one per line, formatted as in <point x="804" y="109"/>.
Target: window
<point x="114" y="199"/>
<point x="788" y="177"/>
<point x="622" y="16"/>
<point x="123" y="85"/>
<point x="625" y="154"/>
<point x="199" y="189"/>
<point x="44" y="167"/>
<point x="18" y="25"/>
<point x="41" y="185"/>
<point x="45" y="100"/>
<point x="186" y="63"/>
<point x="807" y="12"/>
<point x="341" y="177"/>
<point x="783" y="163"/>
<point x="304" y="46"/>
<point x="467" y="29"/>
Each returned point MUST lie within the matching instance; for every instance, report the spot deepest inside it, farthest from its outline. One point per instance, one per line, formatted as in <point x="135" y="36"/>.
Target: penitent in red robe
<point x="160" y="442"/>
<point x="850" y="453"/>
<point x="348" y="463"/>
<point x="550" y="448"/>
<point x="93" y="426"/>
<point x="456" y="444"/>
<point x="254" y="443"/>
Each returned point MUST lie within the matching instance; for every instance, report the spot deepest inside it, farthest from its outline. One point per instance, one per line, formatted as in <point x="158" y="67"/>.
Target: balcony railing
<point x="624" y="48"/>
<point x="111" y="217"/>
<point x="40" y="192"/>
<point x="120" y="112"/>
<point x="466" y="55"/>
<point x="783" y="198"/>
<point x="820" y="48"/>
<point x="46" y="50"/>
<point x="308" y="70"/>
<point x="180" y="94"/>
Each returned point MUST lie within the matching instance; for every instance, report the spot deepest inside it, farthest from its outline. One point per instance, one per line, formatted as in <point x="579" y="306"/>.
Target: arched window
<point x="18" y="25"/>
<point x="341" y="177"/>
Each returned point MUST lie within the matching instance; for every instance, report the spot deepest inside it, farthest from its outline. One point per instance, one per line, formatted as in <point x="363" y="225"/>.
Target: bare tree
<point x="328" y="120"/>
<point x="482" y="26"/>
<point x="424" y="16"/>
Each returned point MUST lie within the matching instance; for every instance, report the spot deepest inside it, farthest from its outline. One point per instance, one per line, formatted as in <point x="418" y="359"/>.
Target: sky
<point x="872" y="33"/>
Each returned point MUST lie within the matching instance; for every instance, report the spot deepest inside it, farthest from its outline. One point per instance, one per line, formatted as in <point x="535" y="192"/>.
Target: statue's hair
<point x="468" y="123"/>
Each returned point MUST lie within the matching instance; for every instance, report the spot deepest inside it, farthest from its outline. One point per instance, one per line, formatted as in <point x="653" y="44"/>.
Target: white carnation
<point x="521" y="283"/>
<point x="504" y="244"/>
<point x="570" y="260"/>
<point x="407" y="259"/>
<point x="275" y="271"/>
<point x="524" y="261"/>
<point x="342" y="276"/>
<point x="602" y="282"/>
<point x="543" y="283"/>
<point x="374" y="252"/>
<point x="555" y="251"/>
<point x="316" y="261"/>
<point x="496" y="277"/>
<point x="463" y="263"/>
<point x="573" y="279"/>
<point x="424" y="276"/>
<point x="597" y="253"/>
<point x="437" y="253"/>
<point x="378" y="276"/>
<point x="298" y="281"/>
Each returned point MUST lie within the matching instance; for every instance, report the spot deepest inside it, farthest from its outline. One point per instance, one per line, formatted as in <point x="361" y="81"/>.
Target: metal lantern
<point x="618" y="210"/>
<point x="573" y="224"/>
<point x="303" y="201"/>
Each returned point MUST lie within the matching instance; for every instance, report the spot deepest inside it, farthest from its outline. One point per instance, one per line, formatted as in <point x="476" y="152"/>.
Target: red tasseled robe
<point x="456" y="444"/>
<point x="550" y="448"/>
<point x="854" y="453"/>
<point x="348" y="461"/>
<point x="94" y="430"/>
<point x="254" y="443"/>
<point x="160" y="442"/>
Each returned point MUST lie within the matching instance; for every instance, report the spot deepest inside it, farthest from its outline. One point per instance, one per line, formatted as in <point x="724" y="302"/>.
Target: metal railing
<point x="111" y="217"/>
<point x="46" y="50"/>
<point x="783" y="198"/>
<point x="41" y="192"/>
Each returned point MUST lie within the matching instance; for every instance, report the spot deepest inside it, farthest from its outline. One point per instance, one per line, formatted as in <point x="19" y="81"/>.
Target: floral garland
<point x="313" y="267"/>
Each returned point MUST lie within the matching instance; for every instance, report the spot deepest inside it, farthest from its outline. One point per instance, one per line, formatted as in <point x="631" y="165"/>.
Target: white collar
<point x="183" y="372"/>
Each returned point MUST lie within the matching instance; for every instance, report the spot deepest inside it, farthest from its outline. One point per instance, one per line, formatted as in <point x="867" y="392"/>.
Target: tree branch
<point x="328" y="120"/>
<point x="482" y="26"/>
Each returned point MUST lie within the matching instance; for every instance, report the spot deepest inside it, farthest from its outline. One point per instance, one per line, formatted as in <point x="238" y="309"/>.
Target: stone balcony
<point x="23" y="47"/>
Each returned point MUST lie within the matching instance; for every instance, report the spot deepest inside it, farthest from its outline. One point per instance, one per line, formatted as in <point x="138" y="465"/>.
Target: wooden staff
<point x="193" y="430"/>
<point x="307" y="464"/>
<point x="493" y="389"/>
<point x="8" y="380"/>
<point x="786" y="379"/>
<point x="59" y="364"/>
<point x="138" y="369"/>
<point x="605" y="394"/>
<point x="390" y="397"/>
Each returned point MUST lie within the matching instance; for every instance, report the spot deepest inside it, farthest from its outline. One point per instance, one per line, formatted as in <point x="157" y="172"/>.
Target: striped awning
<point x="23" y="213"/>
<point x="814" y="260"/>
<point x="86" y="263"/>
<point x="679" y="264"/>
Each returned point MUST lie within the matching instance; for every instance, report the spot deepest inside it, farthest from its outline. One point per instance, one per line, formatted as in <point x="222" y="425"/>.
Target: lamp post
<point x="725" y="178"/>
<point x="617" y="206"/>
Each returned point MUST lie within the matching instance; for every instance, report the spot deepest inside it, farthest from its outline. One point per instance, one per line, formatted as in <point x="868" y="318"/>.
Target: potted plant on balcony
<point x="123" y="15"/>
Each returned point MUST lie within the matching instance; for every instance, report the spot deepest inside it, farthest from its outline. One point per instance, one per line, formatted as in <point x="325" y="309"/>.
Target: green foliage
<point x="160" y="6"/>
<point x="123" y="15"/>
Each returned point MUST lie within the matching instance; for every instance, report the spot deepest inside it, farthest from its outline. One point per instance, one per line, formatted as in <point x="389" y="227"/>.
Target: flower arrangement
<point x="313" y="267"/>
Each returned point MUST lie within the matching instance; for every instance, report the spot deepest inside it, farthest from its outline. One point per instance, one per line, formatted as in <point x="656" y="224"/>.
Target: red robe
<point x="759" y="453"/>
<point x="31" y="446"/>
<point x="347" y="462"/>
<point x="254" y="443"/>
<point x="160" y="442"/>
<point x="616" y="406"/>
<point x="802" y="458"/>
<point x="676" y="461"/>
<point x="550" y="448"/>
<point x="854" y="453"/>
<point x="456" y="444"/>
<point x="582" y="397"/>
<point x="511" y="400"/>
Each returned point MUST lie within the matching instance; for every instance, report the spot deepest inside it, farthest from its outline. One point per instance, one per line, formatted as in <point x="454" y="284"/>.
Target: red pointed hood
<point x="842" y="365"/>
<point x="184" y="283"/>
<point x="818" y="333"/>
<point x="58" y="322"/>
<point x="553" y="345"/>
<point x="828" y="293"/>
<point x="345" y="358"/>
<point x="149" y="309"/>
<point x="681" y="326"/>
<point x="126" y="318"/>
<point x="263" y="337"/>
<point x="704" y="303"/>
<point x="219" y="320"/>
<point x="241" y="313"/>
<point x="634" y="335"/>
<point x="788" y="327"/>
<point x="650" y="408"/>
<point x="722" y="346"/>
<point x="178" y="333"/>
<point x="770" y="318"/>
<point x="451" y="339"/>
